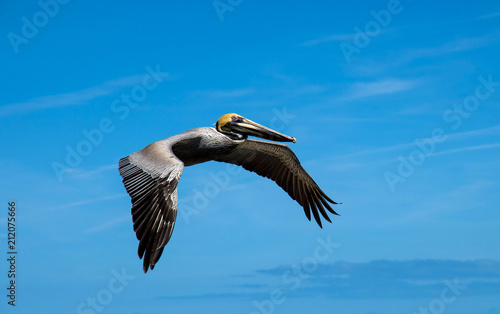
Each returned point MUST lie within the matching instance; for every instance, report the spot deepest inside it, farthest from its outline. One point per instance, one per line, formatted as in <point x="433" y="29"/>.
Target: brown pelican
<point x="151" y="175"/>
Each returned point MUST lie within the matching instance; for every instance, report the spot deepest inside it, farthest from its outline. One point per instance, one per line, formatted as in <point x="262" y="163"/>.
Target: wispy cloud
<point x="306" y="89"/>
<point x="398" y="279"/>
<point x="376" y="66"/>
<point x="375" y="279"/>
<point x="444" y="152"/>
<point x="415" y="270"/>
<point x="337" y="37"/>
<point x="378" y="150"/>
<point x="452" y="136"/>
<point x="352" y="119"/>
<point x="260" y="96"/>
<point x="460" y="44"/>
<point x="382" y="87"/>
<point x="479" y="132"/>
<point x="467" y="148"/>
<point x="77" y="98"/>
<point x="90" y="201"/>
<point x="488" y="16"/>
<point x="230" y="93"/>
<point x="214" y="296"/>
<point x="110" y="224"/>
<point x="79" y="173"/>
<point x="455" y="150"/>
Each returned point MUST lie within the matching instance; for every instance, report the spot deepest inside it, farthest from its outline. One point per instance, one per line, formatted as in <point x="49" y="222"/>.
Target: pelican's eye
<point x="235" y="118"/>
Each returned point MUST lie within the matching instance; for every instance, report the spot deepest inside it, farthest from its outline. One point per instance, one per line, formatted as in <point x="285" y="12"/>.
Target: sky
<point x="395" y="107"/>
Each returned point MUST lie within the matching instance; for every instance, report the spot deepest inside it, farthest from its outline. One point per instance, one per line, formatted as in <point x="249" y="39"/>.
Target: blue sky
<point x="395" y="106"/>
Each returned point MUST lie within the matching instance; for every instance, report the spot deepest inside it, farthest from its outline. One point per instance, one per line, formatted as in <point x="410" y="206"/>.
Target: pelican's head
<point x="236" y="126"/>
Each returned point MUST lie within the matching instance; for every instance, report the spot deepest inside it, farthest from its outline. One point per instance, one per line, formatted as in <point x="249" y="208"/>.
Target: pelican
<point x="151" y="175"/>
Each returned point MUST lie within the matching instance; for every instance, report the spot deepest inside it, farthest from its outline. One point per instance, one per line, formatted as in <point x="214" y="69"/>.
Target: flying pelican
<point x="151" y="175"/>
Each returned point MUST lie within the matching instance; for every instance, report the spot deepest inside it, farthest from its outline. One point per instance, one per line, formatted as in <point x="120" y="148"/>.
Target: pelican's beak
<point x="249" y="127"/>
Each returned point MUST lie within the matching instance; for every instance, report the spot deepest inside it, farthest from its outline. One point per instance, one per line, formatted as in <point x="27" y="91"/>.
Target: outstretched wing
<point x="150" y="177"/>
<point x="278" y="163"/>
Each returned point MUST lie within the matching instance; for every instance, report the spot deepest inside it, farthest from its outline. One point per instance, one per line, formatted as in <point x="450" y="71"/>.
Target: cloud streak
<point x="90" y="201"/>
<point x="383" y="87"/>
<point x="410" y="279"/>
<point x="488" y="16"/>
<point x="466" y="149"/>
<point x="110" y="224"/>
<point x="453" y="136"/>
<point x="79" y="173"/>
<point x="77" y="98"/>
<point x="230" y="93"/>
<point x="337" y="37"/>
<point x="458" y="45"/>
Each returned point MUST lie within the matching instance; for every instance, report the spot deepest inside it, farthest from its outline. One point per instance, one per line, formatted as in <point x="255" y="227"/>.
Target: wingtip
<point x="318" y="221"/>
<point x="147" y="267"/>
<point x="334" y="212"/>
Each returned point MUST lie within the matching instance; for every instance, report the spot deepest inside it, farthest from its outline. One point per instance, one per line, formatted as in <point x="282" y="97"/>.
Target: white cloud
<point x="337" y="37"/>
<point x="109" y="224"/>
<point x="232" y="93"/>
<point x="461" y="44"/>
<point x="467" y="148"/>
<point x="444" y="152"/>
<point x="383" y="87"/>
<point x="452" y="136"/>
<point x="479" y="132"/>
<point x="79" y="173"/>
<point x="76" y="98"/>
<point x="90" y="201"/>
<point x="378" y="150"/>
<point x="376" y="66"/>
<point x="488" y="16"/>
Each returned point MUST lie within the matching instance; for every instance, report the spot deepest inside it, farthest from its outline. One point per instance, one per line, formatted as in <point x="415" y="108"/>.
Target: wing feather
<point x="278" y="163"/>
<point x="150" y="177"/>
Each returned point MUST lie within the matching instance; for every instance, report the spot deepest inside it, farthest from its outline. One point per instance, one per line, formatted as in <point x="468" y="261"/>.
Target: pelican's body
<point x="151" y="175"/>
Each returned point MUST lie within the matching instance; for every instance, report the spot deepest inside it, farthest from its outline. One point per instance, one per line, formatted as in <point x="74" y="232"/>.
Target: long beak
<point x="254" y="129"/>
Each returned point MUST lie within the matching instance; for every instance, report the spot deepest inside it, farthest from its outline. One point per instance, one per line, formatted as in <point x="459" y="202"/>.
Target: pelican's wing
<point x="278" y="163"/>
<point x="150" y="177"/>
